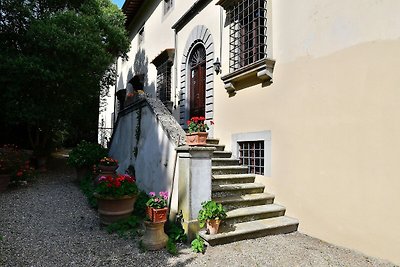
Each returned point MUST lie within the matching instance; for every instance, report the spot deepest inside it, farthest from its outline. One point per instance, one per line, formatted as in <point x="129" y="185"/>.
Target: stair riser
<point x="233" y="180"/>
<point x="232" y="162"/>
<point x="213" y="141"/>
<point x="243" y="204"/>
<point x="230" y="171"/>
<point x="236" y="192"/>
<point x="254" y="217"/>
<point x="219" y="148"/>
<point x="222" y="155"/>
<point x="274" y="231"/>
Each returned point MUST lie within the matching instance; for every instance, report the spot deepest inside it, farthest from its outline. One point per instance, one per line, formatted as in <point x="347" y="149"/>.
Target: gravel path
<point x="50" y="224"/>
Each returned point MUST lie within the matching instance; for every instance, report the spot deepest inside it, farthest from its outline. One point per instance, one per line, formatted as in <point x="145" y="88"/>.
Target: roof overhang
<point x="130" y="9"/>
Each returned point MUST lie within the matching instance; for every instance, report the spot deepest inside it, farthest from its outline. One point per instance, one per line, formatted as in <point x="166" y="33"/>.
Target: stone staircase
<point x="251" y="212"/>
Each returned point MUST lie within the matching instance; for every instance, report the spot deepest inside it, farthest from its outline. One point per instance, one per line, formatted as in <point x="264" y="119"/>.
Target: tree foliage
<point x="56" y="62"/>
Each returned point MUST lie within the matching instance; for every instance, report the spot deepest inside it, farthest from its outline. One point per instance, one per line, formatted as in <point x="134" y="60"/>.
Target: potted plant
<point x="116" y="197"/>
<point x="156" y="210"/>
<point x="156" y="207"/>
<point x="84" y="156"/>
<point x="108" y="165"/>
<point x="24" y="174"/>
<point x="211" y="215"/>
<point x="197" y="131"/>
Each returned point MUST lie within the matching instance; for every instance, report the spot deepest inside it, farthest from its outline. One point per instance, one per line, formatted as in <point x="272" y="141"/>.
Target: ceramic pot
<point x="196" y="139"/>
<point x="114" y="209"/>
<point x="154" y="238"/>
<point x="157" y="215"/>
<point x="213" y="226"/>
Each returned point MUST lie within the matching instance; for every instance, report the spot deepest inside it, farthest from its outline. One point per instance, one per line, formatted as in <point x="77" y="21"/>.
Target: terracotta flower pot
<point x="196" y="139"/>
<point x="105" y="169"/>
<point x="114" y="209"/>
<point x="213" y="226"/>
<point x="4" y="181"/>
<point x="157" y="215"/>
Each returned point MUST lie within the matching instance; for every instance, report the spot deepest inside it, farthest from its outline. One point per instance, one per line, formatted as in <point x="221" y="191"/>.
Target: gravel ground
<point x="50" y="224"/>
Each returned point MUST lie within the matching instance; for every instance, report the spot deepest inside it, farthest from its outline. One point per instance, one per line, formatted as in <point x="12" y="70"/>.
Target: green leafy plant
<point x="86" y="154"/>
<point x="157" y="201"/>
<point x="119" y="186"/>
<point x="175" y="232"/>
<point x="140" y="204"/>
<point x="211" y="210"/>
<point x="142" y="247"/>
<point x="171" y="247"/>
<point x="198" y="245"/>
<point x="197" y="124"/>
<point x="87" y="187"/>
<point x="125" y="228"/>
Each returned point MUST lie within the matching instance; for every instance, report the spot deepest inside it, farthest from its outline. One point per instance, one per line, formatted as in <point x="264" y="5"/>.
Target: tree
<point x="56" y="62"/>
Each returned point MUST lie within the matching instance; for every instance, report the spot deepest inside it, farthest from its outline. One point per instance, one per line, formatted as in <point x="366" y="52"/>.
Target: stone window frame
<point x="163" y="63"/>
<point x="258" y="72"/>
<point x="168" y="5"/>
<point x="264" y="136"/>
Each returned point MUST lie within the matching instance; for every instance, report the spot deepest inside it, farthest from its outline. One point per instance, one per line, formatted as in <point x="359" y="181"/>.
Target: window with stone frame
<point x="251" y="154"/>
<point x="249" y="62"/>
<point x="164" y="81"/>
<point x="247" y="32"/>
<point x="168" y="4"/>
<point x="163" y="63"/>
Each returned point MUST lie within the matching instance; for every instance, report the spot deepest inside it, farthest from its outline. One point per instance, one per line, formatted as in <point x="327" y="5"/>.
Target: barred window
<point x="168" y="4"/>
<point x="247" y="32"/>
<point x="251" y="154"/>
<point x="164" y="81"/>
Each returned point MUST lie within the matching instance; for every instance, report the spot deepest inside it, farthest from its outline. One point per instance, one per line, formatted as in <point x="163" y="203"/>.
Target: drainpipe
<point x="175" y="69"/>
<point x="115" y="94"/>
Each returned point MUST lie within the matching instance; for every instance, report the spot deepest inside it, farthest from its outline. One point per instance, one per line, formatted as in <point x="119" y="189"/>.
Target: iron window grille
<point x="251" y="154"/>
<point x="168" y="4"/>
<point x="247" y="33"/>
<point x="164" y="81"/>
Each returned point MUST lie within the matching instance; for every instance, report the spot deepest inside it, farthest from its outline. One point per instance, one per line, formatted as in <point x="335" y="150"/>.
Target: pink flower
<point x="152" y="194"/>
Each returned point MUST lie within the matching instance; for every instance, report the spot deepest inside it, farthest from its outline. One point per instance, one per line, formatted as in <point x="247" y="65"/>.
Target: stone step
<point x="212" y="141"/>
<point x="224" y="162"/>
<point x="233" y="178"/>
<point x="251" y="229"/>
<point x="247" y="200"/>
<point x="229" y="169"/>
<point x="225" y="190"/>
<point x="221" y="154"/>
<point x="217" y="147"/>
<point x="252" y="213"/>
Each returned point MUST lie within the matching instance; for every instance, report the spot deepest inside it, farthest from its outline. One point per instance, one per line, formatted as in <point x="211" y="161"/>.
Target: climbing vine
<point x="137" y="131"/>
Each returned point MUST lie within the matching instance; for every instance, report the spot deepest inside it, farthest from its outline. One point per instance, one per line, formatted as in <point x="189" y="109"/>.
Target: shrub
<point x="86" y="154"/>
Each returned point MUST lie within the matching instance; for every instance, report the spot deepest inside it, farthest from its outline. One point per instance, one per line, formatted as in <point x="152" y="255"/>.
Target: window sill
<point x="256" y="73"/>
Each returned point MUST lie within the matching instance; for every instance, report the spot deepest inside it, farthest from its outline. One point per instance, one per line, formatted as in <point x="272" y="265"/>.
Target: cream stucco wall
<point x="332" y="110"/>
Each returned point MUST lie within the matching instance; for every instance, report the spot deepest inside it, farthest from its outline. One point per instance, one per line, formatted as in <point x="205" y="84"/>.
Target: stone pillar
<point x="194" y="184"/>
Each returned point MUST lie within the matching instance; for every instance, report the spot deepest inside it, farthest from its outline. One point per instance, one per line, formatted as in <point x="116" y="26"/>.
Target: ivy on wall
<point x="137" y="131"/>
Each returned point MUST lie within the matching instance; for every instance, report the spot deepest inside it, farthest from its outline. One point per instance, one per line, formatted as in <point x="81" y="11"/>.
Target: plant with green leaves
<point x="211" y="210"/>
<point x="86" y="154"/>
<point x="125" y="228"/>
<point x="198" y="245"/>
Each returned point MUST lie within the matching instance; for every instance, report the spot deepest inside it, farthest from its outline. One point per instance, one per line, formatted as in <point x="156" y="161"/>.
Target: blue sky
<point x="119" y="3"/>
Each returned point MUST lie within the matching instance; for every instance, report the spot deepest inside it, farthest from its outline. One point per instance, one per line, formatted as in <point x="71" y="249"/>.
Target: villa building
<point x="304" y="93"/>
